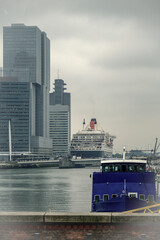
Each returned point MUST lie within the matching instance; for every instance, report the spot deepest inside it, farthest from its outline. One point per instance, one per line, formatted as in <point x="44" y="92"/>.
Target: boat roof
<point x="123" y="161"/>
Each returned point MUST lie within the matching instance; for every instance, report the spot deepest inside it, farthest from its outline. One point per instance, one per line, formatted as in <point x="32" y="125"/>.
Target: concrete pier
<point x="83" y="226"/>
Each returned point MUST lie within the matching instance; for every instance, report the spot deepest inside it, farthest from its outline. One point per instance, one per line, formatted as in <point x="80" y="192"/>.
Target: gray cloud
<point x="108" y="54"/>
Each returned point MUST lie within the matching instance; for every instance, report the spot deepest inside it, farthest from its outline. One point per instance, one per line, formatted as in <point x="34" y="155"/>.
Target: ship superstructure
<point x="92" y="142"/>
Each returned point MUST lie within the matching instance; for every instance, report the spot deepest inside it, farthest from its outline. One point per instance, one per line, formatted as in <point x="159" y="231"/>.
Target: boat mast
<point x="10" y="143"/>
<point x="124" y="153"/>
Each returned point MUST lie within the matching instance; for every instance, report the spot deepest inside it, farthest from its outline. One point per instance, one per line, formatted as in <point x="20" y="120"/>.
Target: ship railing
<point x="147" y="209"/>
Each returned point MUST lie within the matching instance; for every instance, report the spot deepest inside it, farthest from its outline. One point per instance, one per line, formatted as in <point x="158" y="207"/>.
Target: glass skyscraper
<point x="26" y="68"/>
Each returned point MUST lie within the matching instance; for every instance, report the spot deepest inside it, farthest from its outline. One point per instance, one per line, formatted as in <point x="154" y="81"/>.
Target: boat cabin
<point x="123" y="166"/>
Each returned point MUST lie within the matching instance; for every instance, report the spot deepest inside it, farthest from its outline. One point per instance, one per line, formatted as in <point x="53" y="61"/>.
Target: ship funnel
<point x="124" y="153"/>
<point x="92" y="123"/>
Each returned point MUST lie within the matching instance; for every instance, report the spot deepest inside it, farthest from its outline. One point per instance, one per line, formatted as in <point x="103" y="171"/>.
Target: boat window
<point x="140" y="168"/>
<point x="114" y="195"/>
<point x="105" y="168"/>
<point x="141" y="196"/>
<point x="151" y="198"/>
<point x="124" y="194"/>
<point x="123" y="168"/>
<point x="132" y="195"/>
<point x="131" y="168"/>
<point x="105" y="197"/>
<point x="117" y="168"/>
<point x="96" y="198"/>
<point x="111" y="168"/>
<point x="136" y="168"/>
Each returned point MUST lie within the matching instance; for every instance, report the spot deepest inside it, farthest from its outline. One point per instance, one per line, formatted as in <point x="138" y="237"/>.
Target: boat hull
<point x="119" y="204"/>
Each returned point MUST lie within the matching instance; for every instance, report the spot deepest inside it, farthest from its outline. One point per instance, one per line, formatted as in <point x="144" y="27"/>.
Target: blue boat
<point x="122" y="185"/>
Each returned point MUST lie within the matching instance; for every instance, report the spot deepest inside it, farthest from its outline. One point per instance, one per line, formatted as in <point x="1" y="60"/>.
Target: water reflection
<point x="40" y="189"/>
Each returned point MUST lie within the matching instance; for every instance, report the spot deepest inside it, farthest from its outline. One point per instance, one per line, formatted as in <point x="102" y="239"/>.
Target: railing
<point x="146" y="209"/>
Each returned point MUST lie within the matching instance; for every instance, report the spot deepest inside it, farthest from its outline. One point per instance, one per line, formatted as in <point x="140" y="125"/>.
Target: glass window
<point x="117" y="168"/>
<point x="123" y="168"/>
<point x="105" y="197"/>
<point x="132" y="195"/>
<point x="140" y="168"/>
<point x="114" y="195"/>
<point x="131" y="168"/>
<point x="150" y="198"/>
<point x="111" y="168"/>
<point x="105" y="168"/>
<point x="96" y="198"/>
<point x="141" y="196"/>
<point x="136" y="168"/>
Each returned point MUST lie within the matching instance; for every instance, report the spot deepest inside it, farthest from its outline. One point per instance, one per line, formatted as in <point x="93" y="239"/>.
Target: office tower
<point x="60" y="119"/>
<point x="26" y="67"/>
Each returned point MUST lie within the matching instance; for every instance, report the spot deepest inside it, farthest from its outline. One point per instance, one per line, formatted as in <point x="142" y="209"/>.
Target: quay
<point x="82" y="226"/>
<point x="29" y="164"/>
<point x="65" y="163"/>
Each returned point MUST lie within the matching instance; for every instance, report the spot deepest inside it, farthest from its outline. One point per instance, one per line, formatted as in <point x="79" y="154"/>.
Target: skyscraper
<point x="60" y="119"/>
<point x="26" y="67"/>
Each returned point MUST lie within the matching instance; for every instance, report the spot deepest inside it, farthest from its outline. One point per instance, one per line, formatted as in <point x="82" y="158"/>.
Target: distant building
<point x="24" y="90"/>
<point x="60" y="119"/>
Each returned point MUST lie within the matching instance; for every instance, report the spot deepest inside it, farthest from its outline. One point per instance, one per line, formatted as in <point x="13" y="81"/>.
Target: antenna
<point x="58" y="73"/>
<point x="124" y="153"/>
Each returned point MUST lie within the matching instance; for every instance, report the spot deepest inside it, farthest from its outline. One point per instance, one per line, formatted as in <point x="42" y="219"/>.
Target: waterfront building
<point x="60" y="119"/>
<point x="24" y="90"/>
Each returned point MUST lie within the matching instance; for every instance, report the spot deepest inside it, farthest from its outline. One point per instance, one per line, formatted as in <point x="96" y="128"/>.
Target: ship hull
<point x="119" y="204"/>
<point x="91" y="154"/>
<point x="122" y="191"/>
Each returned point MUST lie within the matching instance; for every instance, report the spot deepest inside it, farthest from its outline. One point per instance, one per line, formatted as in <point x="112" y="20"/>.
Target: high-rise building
<point x="26" y="78"/>
<point x="60" y="119"/>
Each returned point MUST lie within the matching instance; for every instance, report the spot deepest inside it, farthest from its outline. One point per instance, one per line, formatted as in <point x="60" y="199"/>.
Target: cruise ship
<point x="92" y="142"/>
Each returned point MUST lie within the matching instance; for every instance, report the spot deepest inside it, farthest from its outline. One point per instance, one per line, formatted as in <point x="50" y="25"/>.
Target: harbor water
<point x="46" y="189"/>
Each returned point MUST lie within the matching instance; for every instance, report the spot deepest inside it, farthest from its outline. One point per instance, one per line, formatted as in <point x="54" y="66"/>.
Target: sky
<point x="108" y="53"/>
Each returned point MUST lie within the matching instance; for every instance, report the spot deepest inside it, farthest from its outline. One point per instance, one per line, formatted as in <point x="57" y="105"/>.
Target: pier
<point x="82" y="226"/>
<point x="29" y="164"/>
<point x="64" y="163"/>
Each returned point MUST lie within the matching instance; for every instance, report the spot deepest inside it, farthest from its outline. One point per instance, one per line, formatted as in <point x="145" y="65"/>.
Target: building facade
<point x="26" y="62"/>
<point x="60" y="119"/>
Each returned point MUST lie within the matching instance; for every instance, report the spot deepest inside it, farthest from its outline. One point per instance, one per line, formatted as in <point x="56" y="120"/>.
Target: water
<point x="44" y="189"/>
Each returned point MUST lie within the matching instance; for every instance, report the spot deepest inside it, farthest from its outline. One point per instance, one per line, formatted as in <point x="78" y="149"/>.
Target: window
<point x="130" y="168"/>
<point x="106" y="168"/>
<point x="132" y="195"/>
<point x="150" y="198"/>
<point x="140" y="168"/>
<point x="111" y="168"/>
<point x="105" y="197"/>
<point x="123" y="168"/>
<point x="97" y="198"/>
<point x="142" y="197"/>
<point x="114" y="195"/>
<point x="117" y="168"/>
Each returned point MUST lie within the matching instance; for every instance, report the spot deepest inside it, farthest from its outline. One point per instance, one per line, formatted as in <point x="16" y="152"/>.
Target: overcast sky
<point x="108" y="53"/>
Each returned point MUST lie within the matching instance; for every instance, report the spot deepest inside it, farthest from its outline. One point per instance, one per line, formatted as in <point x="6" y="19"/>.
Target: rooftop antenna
<point x="58" y="73"/>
